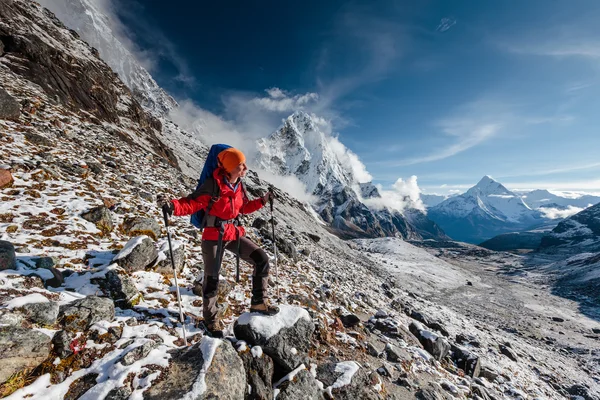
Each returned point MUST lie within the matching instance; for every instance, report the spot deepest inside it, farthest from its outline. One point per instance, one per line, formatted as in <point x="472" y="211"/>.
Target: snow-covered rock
<point x="209" y="369"/>
<point x="277" y="335"/>
<point x="81" y="314"/>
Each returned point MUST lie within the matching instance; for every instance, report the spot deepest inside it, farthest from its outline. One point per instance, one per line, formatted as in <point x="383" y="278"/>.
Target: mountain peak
<point x="487" y="185"/>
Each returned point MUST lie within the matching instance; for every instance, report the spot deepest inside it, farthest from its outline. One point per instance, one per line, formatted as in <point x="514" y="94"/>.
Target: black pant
<point x="250" y="253"/>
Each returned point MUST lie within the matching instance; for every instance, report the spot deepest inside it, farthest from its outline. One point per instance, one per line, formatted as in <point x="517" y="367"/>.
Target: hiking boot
<point x="214" y="328"/>
<point x="264" y="308"/>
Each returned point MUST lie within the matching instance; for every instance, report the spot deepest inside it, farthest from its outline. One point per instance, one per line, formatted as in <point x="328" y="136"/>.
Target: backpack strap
<point x="215" y="193"/>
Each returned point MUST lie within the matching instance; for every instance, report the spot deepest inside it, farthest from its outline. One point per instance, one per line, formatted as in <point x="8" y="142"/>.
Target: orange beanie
<point x="231" y="158"/>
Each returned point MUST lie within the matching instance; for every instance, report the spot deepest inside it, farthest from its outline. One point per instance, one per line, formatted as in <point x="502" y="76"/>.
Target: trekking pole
<point x="274" y="241"/>
<point x="166" y="217"/>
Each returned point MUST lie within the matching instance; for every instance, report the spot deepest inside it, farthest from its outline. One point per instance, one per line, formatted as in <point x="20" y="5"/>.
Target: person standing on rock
<point x="223" y="198"/>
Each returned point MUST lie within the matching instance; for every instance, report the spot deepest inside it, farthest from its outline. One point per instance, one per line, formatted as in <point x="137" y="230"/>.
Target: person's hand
<point x="164" y="203"/>
<point x="267" y="197"/>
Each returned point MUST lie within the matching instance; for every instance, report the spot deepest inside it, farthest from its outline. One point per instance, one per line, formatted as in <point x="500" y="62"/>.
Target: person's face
<point x="239" y="172"/>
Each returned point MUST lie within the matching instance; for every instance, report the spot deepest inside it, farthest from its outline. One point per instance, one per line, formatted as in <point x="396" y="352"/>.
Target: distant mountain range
<point x="489" y="209"/>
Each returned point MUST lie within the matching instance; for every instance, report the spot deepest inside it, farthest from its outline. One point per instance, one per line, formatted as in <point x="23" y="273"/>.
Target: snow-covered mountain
<point x="558" y="206"/>
<point x="87" y="19"/>
<point x="576" y="234"/>
<point x="302" y="149"/>
<point x="485" y="210"/>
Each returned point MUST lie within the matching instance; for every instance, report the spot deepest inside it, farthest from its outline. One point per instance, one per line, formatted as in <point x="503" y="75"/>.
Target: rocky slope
<point x="87" y="298"/>
<point x="484" y="211"/>
<point x="87" y="19"/>
<point x="576" y="234"/>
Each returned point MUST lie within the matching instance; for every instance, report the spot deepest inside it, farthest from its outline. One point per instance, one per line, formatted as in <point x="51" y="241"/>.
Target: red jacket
<point x="227" y="207"/>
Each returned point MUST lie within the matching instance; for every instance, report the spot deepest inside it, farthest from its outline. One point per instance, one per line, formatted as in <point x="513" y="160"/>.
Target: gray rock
<point x="165" y="267"/>
<point x="83" y="313"/>
<point x="61" y="342"/>
<point x="349" y="320"/>
<point x="302" y="387"/>
<point x="80" y="386"/>
<point x="38" y="139"/>
<point x="137" y="226"/>
<point x="508" y="352"/>
<point x="49" y="263"/>
<point x="260" y="223"/>
<point x="358" y="388"/>
<point x="8" y="317"/>
<point x="141" y="256"/>
<point x="393" y="353"/>
<point x="121" y="393"/>
<point x="9" y="107"/>
<point x="259" y="373"/>
<point x="581" y="390"/>
<point x="466" y="360"/>
<point x="432" y="391"/>
<point x="224" y="379"/>
<point x="95" y="167"/>
<point x="139" y="352"/>
<point x="373" y="350"/>
<point x="101" y="217"/>
<point x="41" y="313"/>
<point x="120" y="288"/>
<point x="488" y="373"/>
<point x="279" y="346"/>
<point x="435" y="345"/>
<point x="8" y="259"/>
<point x="21" y="349"/>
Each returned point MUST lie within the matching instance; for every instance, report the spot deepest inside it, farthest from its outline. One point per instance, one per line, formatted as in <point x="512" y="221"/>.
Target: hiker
<point x="223" y="198"/>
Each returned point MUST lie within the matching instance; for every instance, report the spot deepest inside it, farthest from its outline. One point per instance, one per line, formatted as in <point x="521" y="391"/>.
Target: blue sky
<point x="446" y="91"/>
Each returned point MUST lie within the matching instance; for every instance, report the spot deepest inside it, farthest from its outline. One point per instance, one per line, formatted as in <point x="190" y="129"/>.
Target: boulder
<point x="7" y="317"/>
<point x="8" y="259"/>
<point x="211" y="367"/>
<point x="436" y="345"/>
<point x="62" y="343"/>
<point x="259" y="373"/>
<point x="101" y="217"/>
<point x="49" y="263"/>
<point x="80" y="386"/>
<point x="21" y="349"/>
<point x="9" y="107"/>
<point x="289" y="329"/>
<point x="164" y="266"/>
<point x="260" y="223"/>
<point x="41" y="313"/>
<point x="83" y="313"/>
<point x="137" y="254"/>
<point x="395" y="354"/>
<point x="346" y="381"/>
<point x="433" y="391"/>
<point x="466" y="360"/>
<point x="139" y="352"/>
<point x="6" y="179"/>
<point x="137" y="226"/>
<point x="121" y="289"/>
<point x="302" y="386"/>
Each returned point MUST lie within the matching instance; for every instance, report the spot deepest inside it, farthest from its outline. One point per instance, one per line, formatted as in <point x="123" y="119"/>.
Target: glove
<point x="165" y="204"/>
<point x="267" y="197"/>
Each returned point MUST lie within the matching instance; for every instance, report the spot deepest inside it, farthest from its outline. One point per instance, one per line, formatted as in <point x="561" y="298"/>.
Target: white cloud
<point x="554" y="213"/>
<point x="288" y="183"/>
<point x="348" y="158"/>
<point x="403" y="194"/>
<point x="281" y="101"/>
